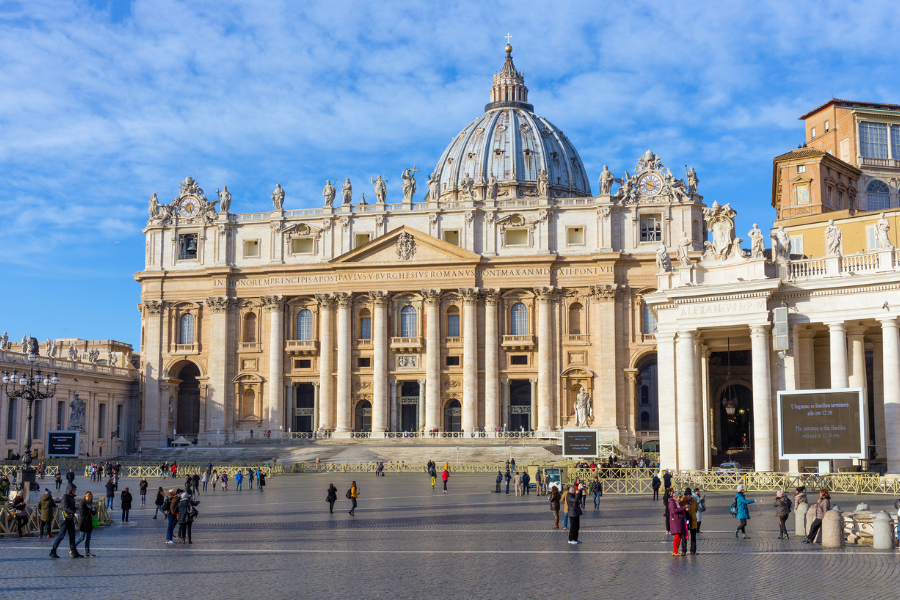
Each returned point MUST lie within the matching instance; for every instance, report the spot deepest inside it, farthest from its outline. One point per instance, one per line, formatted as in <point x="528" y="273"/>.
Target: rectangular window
<point x="873" y="140"/>
<point x="101" y="421"/>
<point x="120" y="411"/>
<point x="11" y="418"/>
<point x="452" y="325"/>
<point x="518" y="359"/>
<point x="452" y="361"/>
<point x="801" y="168"/>
<point x="304" y="363"/>
<point x="37" y="415"/>
<point x="871" y="238"/>
<point x="895" y="141"/>
<point x="251" y="249"/>
<point x="575" y="236"/>
<point x="302" y="246"/>
<point x="187" y="246"/>
<point x="364" y="363"/>
<point x="61" y="414"/>
<point x="516" y="237"/>
<point x="651" y="228"/>
<point x="365" y="328"/>
<point x="452" y="237"/>
<point x="361" y="239"/>
<point x="797" y="246"/>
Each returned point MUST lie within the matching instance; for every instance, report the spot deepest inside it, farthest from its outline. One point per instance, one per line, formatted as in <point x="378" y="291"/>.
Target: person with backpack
<point x="822" y="507"/>
<point x="740" y="508"/>
<point x="331" y="497"/>
<point x="782" y="511"/>
<point x="352" y="495"/>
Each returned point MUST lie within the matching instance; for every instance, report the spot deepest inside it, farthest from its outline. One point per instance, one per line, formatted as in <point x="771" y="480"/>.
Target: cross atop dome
<point x="509" y="85"/>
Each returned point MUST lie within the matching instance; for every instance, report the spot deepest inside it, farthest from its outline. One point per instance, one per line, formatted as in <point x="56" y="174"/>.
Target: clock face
<point x="650" y="185"/>
<point x="190" y="208"/>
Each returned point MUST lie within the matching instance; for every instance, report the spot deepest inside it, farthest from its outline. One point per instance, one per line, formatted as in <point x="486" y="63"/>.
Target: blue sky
<point x="104" y="102"/>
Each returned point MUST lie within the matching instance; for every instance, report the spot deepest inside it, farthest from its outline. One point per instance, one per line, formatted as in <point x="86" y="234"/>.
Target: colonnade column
<point x="878" y="394"/>
<point x="326" y="362"/>
<point x="492" y="418"/>
<point x="395" y="410"/>
<point x="891" y="372"/>
<point x="544" y="297"/>
<point x="218" y="371"/>
<point x="380" y="407"/>
<point x="837" y="335"/>
<point x="274" y="305"/>
<point x="762" y="398"/>
<point x="668" y="417"/>
<point x="686" y="398"/>
<point x="342" y="391"/>
<point x="470" y="358"/>
<point x="432" y="359"/>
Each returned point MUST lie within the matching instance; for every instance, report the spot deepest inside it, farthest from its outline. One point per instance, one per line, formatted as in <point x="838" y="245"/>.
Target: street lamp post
<point x="28" y="386"/>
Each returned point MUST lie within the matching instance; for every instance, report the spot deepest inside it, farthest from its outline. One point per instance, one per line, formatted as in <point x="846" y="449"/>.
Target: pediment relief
<point x="406" y="245"/>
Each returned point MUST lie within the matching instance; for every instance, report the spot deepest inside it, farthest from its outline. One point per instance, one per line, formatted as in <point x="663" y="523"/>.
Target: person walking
<point x="690" y="514"/>
<point x="142" y="486"/>
<point x="125" y="500"/>
<point x="655" y="485"/>
<point x="261" y="480"/>
<point x="445" y="475"/>
<point x="782" y="511"/>
<point x="186" y="514"/>
<point x="45" y="507"/>
<point x="676" y="527"/>
<point x="238" y="480"/>
<point x="596" y="491"/>
<point x="160" y="501"/>
<point x="353" y="494"/>
<point x="508" y="478"/>
<point x="554" y="506"/>
<point x="822" y="507"/>
<point x="67" y="527"/>
<point x="58" y="480"/>
<point x="85" y="523"/>
<point x="331" y="498"/>
<point x="742" y="506"/>
<point x="20" y="510"/>
<point x="573" y="499"/>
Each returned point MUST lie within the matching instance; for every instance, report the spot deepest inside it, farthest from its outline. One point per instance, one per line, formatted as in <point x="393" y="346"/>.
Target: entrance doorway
<point x="363" y="416"/>
<point x="304" y="408"/>
<point x="187" y="421"/>
<point x="409" y="406"/>
<point x="519" y="405"/>
<point x="453" y="416"/>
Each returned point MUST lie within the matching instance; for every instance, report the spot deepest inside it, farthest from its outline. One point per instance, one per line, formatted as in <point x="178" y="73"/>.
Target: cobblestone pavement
<point x="407" y="541"/>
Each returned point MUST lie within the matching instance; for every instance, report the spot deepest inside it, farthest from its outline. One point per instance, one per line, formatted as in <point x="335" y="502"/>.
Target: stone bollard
<point x="883" y="531"/>
<point x="833" y="529"/>
<point x="800" y="520"/>
<point x="810" y="517"/>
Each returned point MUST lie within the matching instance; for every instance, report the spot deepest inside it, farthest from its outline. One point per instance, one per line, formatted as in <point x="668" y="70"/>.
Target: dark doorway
<point x="453" y="416"/>
<point x="304" y="408"/>
<point x="363" y="416"/>
<point x="187" y="422"/>
<point x="409" y="406"/>
<point x="519" y="405"/>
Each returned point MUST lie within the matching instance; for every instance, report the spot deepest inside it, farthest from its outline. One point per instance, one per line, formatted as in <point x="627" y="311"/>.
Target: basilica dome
<point x="512" y="144"/>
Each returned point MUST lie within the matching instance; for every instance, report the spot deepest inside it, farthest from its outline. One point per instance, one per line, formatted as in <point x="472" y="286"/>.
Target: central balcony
<point x="406" y="344"/>
<point x="518" y="342"/>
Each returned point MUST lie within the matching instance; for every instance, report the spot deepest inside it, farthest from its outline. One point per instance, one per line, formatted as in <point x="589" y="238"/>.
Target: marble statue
<point x="662" y="259"/>
<point x="224" y="199"/>
<point x="154" y="206"/>
<point x="543" y="184"/>
<point x="347" y="192"/>
<point x="380" y="190"/>
<point x="882" y="227"/>
<point x="833" y="239"/>
<point x="409" y="183"/>
<point x="606" y="181"/>
<point x="781" y="243"/>
<point x="76" y="416"/>
<point x="692" y="181"/>
<point x="493" y="187"/>
<point x="434" y="186"/>
<point x="584" y="411"/>
<point x="329" y="192"/>
<point x="683" y="248"/>
<point x="73" y="353"/>
<point x="278" y="197"/>
<point x="468" y="184"/>
<point x="757" y="243"/>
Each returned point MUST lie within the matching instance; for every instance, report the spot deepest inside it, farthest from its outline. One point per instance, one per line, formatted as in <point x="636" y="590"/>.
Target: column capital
<point x="491" y="296"/>
<point x="380" y="297"/>
<point x="272" y="303"/>
<point x="343" y="299"/>
<point x="432" y="296"/>
<point x="325" y="300"/>
<point x="469" y="295"/>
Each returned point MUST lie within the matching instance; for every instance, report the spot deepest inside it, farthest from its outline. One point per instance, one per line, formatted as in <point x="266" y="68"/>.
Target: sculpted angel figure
<point x="409" y="184"/>
<point x="380" y="189"/>
<point x="757" y="244"/>
<point x="833" y="235"/>
<point x="543" y="183"/>
<point x="347" y="192"/>
<point x="329" y="192"/>
<point x="584" y="410"/>
<point x="606" y="181"/>
<point x="434" y="186"/>
<point x="224" y="199"/>
<point x="278" y="197"/>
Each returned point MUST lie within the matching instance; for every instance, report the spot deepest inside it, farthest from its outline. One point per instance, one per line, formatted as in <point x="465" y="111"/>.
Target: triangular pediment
<point x="406" y="245"/>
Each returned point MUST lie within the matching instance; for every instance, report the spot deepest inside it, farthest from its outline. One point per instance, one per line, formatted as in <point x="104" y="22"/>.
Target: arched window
<point x="186" y="330"/>
<point x="305" y="325"/>
<point x="453" y="321"/>
<point x="518" y="319"/>
<point x="250" y="327"/>
<point x="408" y="321"/>
<point x="575" y="311"/>
<point x="878" y="195"/>
<point x="649" y="321"/>
<point x="365" y="324"/>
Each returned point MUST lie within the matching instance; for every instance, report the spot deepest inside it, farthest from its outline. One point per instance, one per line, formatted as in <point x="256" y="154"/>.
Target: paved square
<point x="407" y="541"/>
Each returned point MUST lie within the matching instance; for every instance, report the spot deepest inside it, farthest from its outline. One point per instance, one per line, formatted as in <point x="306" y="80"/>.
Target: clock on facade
<point x="650" y="184"/>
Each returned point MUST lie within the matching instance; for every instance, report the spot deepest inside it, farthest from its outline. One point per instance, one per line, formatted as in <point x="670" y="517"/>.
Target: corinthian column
<point x="342" y="395"/>
<point x="762" y="398"/>
<point x="274" y="305"/>
<point x="545" y="357"/>
<point x="326" y="362"/>
<point x="380" y="409"/>
<point x="432" y="360"/>
<point x="470" y="358"/>
<point x="492" y="418"/>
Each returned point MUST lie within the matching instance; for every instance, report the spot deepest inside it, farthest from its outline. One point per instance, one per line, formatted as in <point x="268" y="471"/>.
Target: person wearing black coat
<point x="573" y="499"/>
<point x="85" y="523"/>
<point x="126" y="504"/>
<point x="331" y="498"/>
<point x="110" y="493"/>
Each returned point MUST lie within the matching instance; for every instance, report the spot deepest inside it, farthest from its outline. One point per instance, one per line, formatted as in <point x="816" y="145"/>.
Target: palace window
<point x="873" y="140"/>
<point x="451" y="237"/>
<point x="365" y="325"/>
<point x="651" y="228"/>
<point x="408" y="321"/>
<point x="187" y="246"/>
<point x="453" y="322"/>
<point x="251" y="249"/>
<point x="649" y="321"/>
<point x="250" y="328"/>
<point x="878" y="195"/>
<point x="305" y="325"/>
<point x="575" y="311"/>
<point x="518" y="319"/>
<point x="186" y="329"/>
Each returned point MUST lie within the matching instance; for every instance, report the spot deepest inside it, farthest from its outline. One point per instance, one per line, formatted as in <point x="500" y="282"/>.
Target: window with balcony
<point x="453" y="322"/>
<point x="649" y="321"/>
<point x="408" y="321"/>
<point x="305" y="325"/>
<point x="187" y="246"/>
<point x="186" y="329"/>
<point x="651" y="228"/>
<point x="878" y="195"/>
<point x="249" y="328"/>
<point x="873" y="140"/>
<point x="518" y="319"/>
